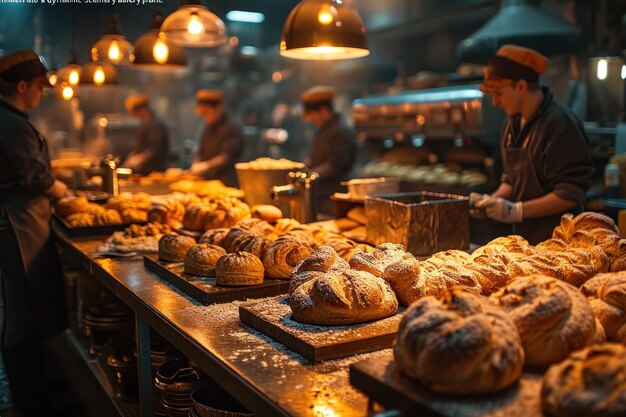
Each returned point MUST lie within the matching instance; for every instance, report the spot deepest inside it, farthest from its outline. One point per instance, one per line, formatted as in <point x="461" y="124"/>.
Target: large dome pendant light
<point x="71" y="72"/>
<point x="113" y="47"/>
<point x="153" y="52"/>
<point x="99" y="73"/>
<point x="325" y="30"/>
<point x="194" y="26"/>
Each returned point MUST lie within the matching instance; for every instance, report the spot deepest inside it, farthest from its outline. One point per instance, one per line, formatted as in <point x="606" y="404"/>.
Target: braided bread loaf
<point x="590" y="383"/>
<point x="324" y="290"/>
<point x="607" y="296"/>
<point x="461" y="343"/>
<point x="553" y="318"/>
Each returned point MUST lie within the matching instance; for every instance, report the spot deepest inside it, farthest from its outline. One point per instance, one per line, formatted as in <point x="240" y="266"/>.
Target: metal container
<point x="257" y="183"/>
<point x="423" y="222"/>
<point x="362" y="187"/>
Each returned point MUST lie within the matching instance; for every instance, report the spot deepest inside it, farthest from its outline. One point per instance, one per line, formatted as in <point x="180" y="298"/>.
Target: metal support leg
<point x="144" y="368"/>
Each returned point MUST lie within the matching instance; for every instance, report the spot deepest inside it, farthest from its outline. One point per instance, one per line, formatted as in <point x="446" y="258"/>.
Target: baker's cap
<point x="317" y="96"/>
<point x="22" y="66"/>
<point x="512" y="63"/>
<point x="136" y="101"/>
<point x="210" y="97"/>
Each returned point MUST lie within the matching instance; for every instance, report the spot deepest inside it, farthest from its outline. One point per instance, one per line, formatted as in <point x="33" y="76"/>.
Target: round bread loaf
<point x="173" y="247"/>
<point x="200" y="260"/>
<point x="266" y="212"/>
<point x="553" y="318"/>
<point x="70" y="205"/>
<point x="239" y="269"/>
<point x="589" y="383"/>
<point x="462" y="343"/>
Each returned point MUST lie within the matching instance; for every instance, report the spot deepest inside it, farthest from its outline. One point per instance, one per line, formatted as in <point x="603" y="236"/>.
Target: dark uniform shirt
<point x="557" y="159"/>
<point x="153" y="144"/>
<point x="221" y="139"/>
<point x="333" y="151"/>
<point x="24" y="156"/>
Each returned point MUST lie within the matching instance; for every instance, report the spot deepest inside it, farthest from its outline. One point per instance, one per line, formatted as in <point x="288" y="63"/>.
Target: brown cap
<point x="209" y="96"/>
<point x="318" y="94"/>
<point x="511" y="63"/>
<point x="136" y="101"/>
<point x="22" y="66"/>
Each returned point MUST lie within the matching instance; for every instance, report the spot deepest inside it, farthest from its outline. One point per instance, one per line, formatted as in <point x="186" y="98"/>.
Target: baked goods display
<point x="70" y="205"/>
<point x="167" y="210"/>
<point x="239" y="269"/>
<point x="200" y="260"/>
<point x="590" y="383"/>
<point x="553" y="318"/>
<point x="283" y="255"/>
<point x="173" y="247"/>
<point x="215" y="213"/>
<point x="324" y="290"/>
<point x="269" y="163"/>
<point x="461" y="343"/>
<point x="266" y="212"/>
<point x="443" y="174"/>
<point x="214" y="236"/>
<point x="205" y="188"/>
<point x="135" y="238"/>
<point x="607" y="296"/>
<point x="125" y="208"/>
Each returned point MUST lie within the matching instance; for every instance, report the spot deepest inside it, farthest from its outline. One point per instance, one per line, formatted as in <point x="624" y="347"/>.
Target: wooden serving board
<point x="379" y="379"/>
<point x="317" y="343"/>
<point x="205" y="289"/>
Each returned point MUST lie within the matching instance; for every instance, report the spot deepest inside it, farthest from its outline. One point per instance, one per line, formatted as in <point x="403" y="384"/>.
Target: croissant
<point x="284" y="225"/>
<point x="134" y="216"/>
<point x="590" y="383"/>
<point x="336" y="296"/>
<point x="553" y="318"/>
<point x="607" y="295"/>
<point x="461" y="344"/>
<point x="283" y="255"/>
<point x="107" y="217"/>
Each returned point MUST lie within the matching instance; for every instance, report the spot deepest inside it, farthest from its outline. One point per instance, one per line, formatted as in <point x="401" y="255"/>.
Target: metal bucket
<point x="257" y="183"/>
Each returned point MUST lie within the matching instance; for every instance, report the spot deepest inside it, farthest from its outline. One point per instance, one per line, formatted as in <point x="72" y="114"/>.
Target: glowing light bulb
<point x="325" y="16"/>
<point x="115" y="54"/>
<point x="74" y="77"/>
<point x="195" y="26"/>
<point x="68" y="92"/>
<point x="623" y="72"/>
<point x="160" y="52"/>
<point x="603" y="69"/>
<point x="53" y="79"/>
<point x="103" y="122"/>
<point x="98" y="76"/>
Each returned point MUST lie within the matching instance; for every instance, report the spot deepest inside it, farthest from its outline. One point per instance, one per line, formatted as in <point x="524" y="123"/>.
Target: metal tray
<point x="90" y="230"/>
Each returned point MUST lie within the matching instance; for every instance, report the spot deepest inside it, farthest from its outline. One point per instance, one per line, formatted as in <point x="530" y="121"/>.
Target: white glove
<point x="199" y="168"/>
<point x="57" y="190"/>
<point x="477" y="205"/>
<point x="504" y="211"/>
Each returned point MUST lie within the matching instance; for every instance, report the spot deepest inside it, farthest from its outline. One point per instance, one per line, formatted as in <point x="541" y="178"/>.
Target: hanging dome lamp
<point x="192" y="25"/>
<point x="153" y="52"/>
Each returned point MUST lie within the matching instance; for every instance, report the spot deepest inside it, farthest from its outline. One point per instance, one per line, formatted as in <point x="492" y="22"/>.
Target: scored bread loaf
<point x="173" y="247"/>
<point x="589" y="383"/>
<point x="200" y="260"/>
<point x="325" y="291"/>
<point x="461" y="343"/>
<point x="553" y="317"/>
<point x="239" y="269"/>
<point x="607" y="296"/>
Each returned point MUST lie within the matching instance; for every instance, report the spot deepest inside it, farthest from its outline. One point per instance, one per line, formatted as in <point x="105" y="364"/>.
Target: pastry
<point x="214" y="236"/>
<point x="70" y="205"/>
<point x="266" y="212"/>
<point x="239" y="269"/>
<point x="200" y="260"/>
<point x="107" y="217"/>
<point x="255" y="226"/>
<point x="326" y="291"/>
<point x="459" y="344"/>
<point x="553" y="317"/>
<point x="133" y="215"/>
<point x="172" y="247"/>
<point x="282" y="256"/>
<point x="283" y="226"/>
<point x="195" y="215"/>
<point x="607" y="296"/>
<point x="93" y="209"/>
<point x="80" y="220"/>
<point x="590" y="383"/>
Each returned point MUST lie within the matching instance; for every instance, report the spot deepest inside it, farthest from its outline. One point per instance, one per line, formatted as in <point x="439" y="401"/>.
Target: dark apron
<point x="527" y="186"/>
<point x="25" y="231"/>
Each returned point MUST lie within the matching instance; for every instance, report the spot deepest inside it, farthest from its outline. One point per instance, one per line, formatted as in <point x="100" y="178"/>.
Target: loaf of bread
<point x="239" y="269"/>
<point x="607" y="296"/>
<point x="173" y="247"/>
<point x="460" y="344"/>
<point x="133" y="215"/>
<point x="80" y="220"/>
<point x="266" y="212"/>
<point x="283" y="255"/>
<point x="326" y="291"/>
<point x="200" y="260"/>
<point x="553" y="318"/>
<point x="589" y="383"/>
<point x="214" y="236"/>
<point x="70" y="205"/>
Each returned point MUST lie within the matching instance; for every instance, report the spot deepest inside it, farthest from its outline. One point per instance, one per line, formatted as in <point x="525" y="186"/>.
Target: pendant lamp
<point x="70" y="73"/>
<point x="112" y="47"/>
<point x="194" y="26"/>
<point x="99" y="73"/>
<point x="153" y="52"/>
<point x="325" y="30"/>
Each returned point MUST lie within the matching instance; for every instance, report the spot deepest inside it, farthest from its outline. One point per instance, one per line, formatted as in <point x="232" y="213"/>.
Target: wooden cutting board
<point x="273" y="317"/>
<point x="205" y="289"/>
<point x="379" y="379"/>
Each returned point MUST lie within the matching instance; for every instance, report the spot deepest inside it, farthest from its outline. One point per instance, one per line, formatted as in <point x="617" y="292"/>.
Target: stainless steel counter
<point x="263" y="375"/>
